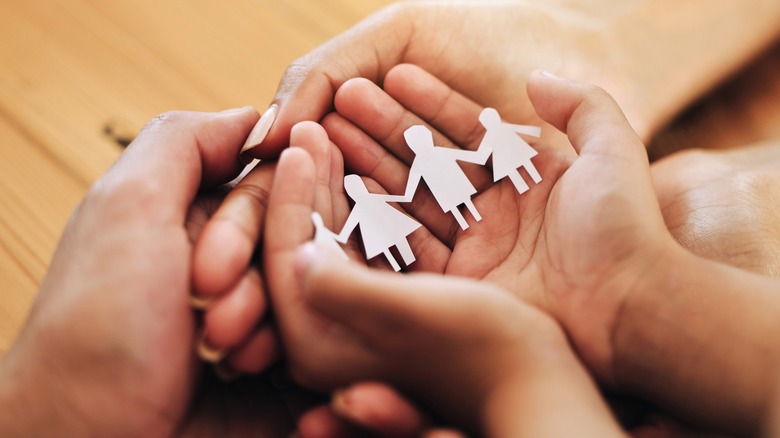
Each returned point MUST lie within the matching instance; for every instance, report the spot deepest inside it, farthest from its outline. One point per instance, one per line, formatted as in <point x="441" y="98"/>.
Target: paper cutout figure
<point x="326" y="238"/>
<point x="445" y="179"/>
<point x="381" y="225"/>
<point x="509" y="150"/>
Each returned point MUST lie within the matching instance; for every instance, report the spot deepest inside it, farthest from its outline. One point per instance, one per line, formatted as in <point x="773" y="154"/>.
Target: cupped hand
<point x="483" y="49"/>
<point x="574" y="244"/>
<point x="341" y="323"/>
<point x="722" y="205"/>
<point x="108" y="346"/>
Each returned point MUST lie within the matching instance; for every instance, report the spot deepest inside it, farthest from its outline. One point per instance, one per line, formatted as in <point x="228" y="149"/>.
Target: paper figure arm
<point x="411" y="186"/>
<point x="479" y="156"/>
<point x="533" y="131"/>
<point x="349" y="227"/>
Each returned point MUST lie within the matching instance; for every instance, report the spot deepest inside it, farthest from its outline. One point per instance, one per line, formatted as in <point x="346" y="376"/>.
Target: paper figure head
<point x="489" y="118"/>
<point x="355" y="187"/>
<point x="419" y="138"/>
<point x="317" y="219"/>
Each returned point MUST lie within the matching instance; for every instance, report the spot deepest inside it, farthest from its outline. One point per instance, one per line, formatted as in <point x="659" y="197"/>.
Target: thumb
<point x="376" y="303"/>
<point x="308" y="87"/>
<point x="612" y="159"/>
<point x="590" y="117"/>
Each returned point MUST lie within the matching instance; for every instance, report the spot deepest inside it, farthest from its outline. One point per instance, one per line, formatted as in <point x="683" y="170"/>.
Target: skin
<point x="351" y="102"/>
<point x="602" y="43"/>
<point x="658" y="297"/>
<point x="590" y="42"/>
<point x="108" y="346"/>
<point x="371" y="345"/>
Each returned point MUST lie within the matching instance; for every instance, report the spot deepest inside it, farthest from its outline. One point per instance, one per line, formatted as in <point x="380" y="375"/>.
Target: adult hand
<point x="483" y="49"/>
<point x="723" y="205"/>
<point x="108" y="346"/>
<point x="572" y="244"/>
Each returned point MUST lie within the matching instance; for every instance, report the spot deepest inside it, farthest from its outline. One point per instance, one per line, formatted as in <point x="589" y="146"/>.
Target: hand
<point x="588" y="244"/>
<point x="108" y="347"/>
<point x="341" y="323"/>
<point x="722" y="205"/>
<point x="483" y="49"/>
<point x="571" y="245"/>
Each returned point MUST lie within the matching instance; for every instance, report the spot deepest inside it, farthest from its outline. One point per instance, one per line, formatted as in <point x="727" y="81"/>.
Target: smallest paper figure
<point x="325" y="238"/>
<point x="381" y="225"/>
<point x="510" y="151"/>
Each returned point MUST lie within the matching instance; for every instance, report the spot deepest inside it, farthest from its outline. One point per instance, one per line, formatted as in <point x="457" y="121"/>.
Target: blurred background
<point x="79" y="78"/>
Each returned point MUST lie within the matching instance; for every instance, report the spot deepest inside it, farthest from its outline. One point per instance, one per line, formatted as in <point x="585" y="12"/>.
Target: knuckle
<point x="164" y="119"/>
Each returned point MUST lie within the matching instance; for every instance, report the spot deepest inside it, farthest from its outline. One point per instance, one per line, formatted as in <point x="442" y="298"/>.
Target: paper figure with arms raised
<point x="509" y="150"/>
<point x="438" y="167"/>
<point x="381" y="225"/>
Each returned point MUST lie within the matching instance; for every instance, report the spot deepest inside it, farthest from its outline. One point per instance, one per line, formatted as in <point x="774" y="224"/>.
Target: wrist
<point x="28" y="405"/>
<point x="699" y="339"/>
<point x="553" y="397"/>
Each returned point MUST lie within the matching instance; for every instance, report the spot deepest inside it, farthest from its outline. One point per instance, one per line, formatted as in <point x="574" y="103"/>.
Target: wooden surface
<point x="78" y="77"/>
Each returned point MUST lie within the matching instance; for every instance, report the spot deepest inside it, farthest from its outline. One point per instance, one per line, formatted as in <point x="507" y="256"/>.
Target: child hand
<point x="342" y="323"/>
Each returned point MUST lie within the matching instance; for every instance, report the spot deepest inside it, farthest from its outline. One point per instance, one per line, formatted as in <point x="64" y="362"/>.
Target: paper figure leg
<point x="459" y="217"/>
<point x="392" y="261"/>
<point x="531" y="169"/>
<point x="406" y="252"/>
<point x="470" y="206"/>
<point x="519" y="183"/>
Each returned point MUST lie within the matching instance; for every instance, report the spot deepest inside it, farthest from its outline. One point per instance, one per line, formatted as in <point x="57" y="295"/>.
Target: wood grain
<point x="76" y="75"/>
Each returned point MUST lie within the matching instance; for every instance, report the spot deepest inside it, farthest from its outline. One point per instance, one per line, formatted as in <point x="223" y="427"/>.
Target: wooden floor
<point x="80" y="77"/>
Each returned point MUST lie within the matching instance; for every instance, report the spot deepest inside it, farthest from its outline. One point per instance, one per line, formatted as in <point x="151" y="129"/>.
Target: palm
<point x="553" y="245"/>
<point x="711" y="201"/>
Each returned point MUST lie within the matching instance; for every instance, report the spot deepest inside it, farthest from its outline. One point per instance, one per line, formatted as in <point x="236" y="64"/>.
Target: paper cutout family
<point x="382" y="226"/>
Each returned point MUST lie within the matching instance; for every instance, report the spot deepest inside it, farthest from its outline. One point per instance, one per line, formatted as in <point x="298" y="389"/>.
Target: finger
<point x="312" y="138"/>
<point x="257" y="353"/>
<point x="374" y="303"/>
<point x="437" y="104"/>
<point x="224" y="250"/>
<point x="590" y="117"/>
<point x="172" y="157"/>
<point x="309" y="85"/>
<point x="607" y="145"/>
<point x="288" y="225"/>
<point x="371" y="109"/>
<point x="322" y="422"/>
<point x="443" y="433"/>
<point x="364" y="156"/>
<point x="231" y="319"/>
<point x="380" y="408"/>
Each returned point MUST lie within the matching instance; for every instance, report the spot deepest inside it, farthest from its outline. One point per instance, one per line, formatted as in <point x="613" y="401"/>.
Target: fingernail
<point x="343" y="405"/>
<point x="549" y="75"/>
<point x="238" y="110"/>
<point x="260" y="131"/>
<point x="225" y="372"/>
<point x="340" y="402"/>
<point x="200" y="303"/>
<point x="207" y="353"/>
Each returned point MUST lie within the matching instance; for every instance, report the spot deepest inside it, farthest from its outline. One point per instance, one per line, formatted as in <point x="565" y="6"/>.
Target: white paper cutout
<point x="438" y="167"/>
<point x="381" y="225"/>
<point x="509" y="150"/>
<point x="325" y="238"/>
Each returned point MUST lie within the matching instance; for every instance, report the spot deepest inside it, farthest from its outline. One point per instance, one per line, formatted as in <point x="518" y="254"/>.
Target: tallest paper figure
<point x="439" y="168"/>
<point x="509" y="150"/>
